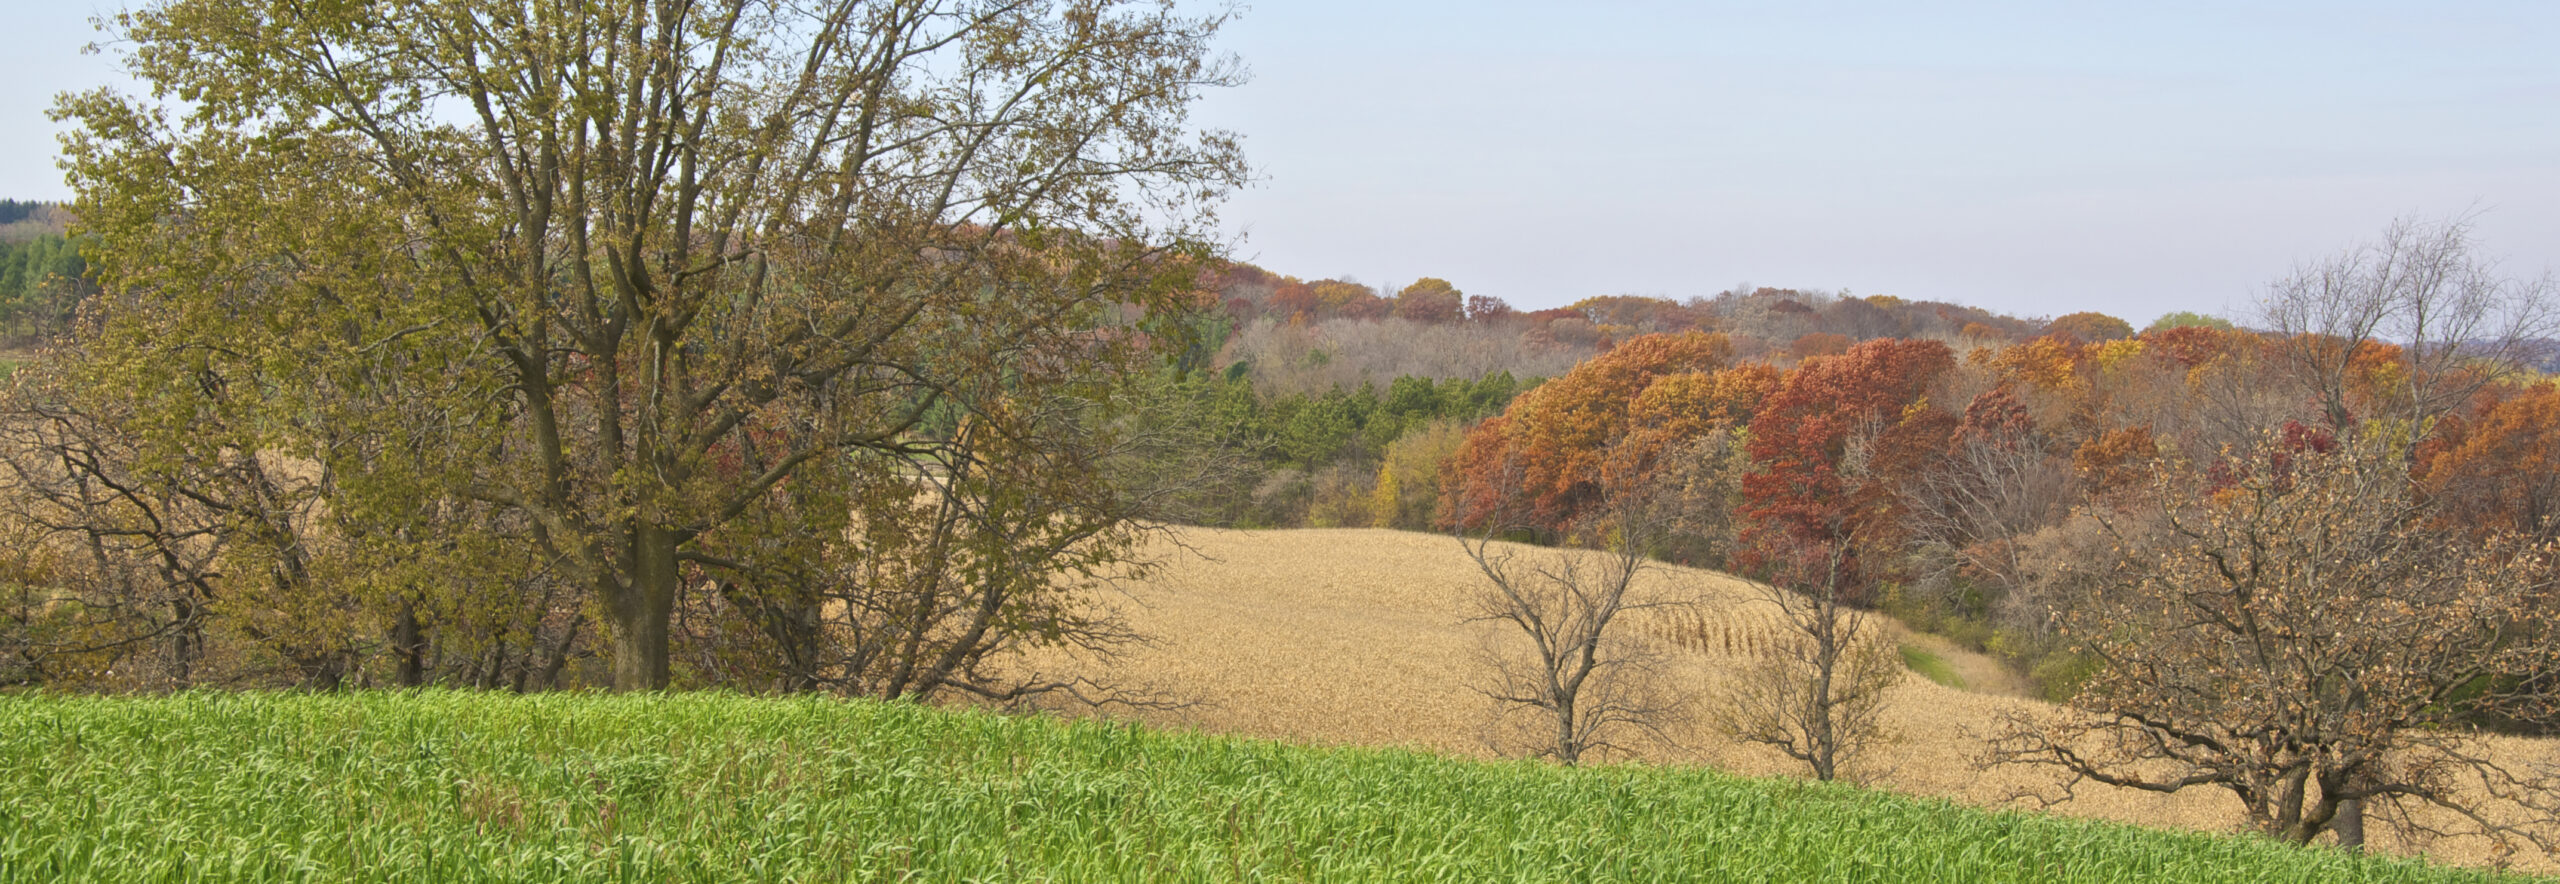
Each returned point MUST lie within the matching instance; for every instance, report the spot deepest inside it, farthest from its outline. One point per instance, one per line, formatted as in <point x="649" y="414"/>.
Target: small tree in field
<point x="1817" y="693"/>
<point x="1585" y="678"/>
<point x="2288" y="627"/>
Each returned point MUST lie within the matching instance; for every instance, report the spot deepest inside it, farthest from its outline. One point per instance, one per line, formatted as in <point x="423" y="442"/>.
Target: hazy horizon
<point x="2024" y="158"/>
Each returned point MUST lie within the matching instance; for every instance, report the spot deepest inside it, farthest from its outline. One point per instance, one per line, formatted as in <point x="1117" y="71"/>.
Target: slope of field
<point x="1361" y="637"/>
<point x="454" y="787"/>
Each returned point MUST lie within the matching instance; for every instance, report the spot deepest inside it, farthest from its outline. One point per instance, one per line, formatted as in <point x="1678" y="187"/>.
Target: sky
<point x="2034" y="158"/>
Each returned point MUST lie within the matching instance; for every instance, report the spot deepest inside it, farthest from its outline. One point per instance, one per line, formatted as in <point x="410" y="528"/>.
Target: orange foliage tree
<point x="1430" y="300"/>
<point x="2091" y="327"/>
<point x="2501" y="472"/>
<point x="1554" y="440"/>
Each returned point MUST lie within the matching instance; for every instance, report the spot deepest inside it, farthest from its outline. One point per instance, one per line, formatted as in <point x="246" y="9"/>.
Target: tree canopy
<point x="647" y="276"/>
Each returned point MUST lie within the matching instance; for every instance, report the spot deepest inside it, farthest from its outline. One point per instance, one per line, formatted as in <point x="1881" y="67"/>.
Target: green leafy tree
<point x="2185" y="318"/>
<point x="605" y="252"/>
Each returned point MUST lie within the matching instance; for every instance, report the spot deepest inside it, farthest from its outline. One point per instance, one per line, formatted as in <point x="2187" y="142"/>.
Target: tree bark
<point x="408" y="646"/>
<point x="642" y="610"/>
<point x="2349" y="823"/>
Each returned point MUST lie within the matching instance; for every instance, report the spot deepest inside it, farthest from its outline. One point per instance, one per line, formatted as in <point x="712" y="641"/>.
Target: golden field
<point x="1363" y="637"/>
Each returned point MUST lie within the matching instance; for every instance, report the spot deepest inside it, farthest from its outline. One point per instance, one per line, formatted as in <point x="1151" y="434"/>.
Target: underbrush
<point x="441" y="786"/>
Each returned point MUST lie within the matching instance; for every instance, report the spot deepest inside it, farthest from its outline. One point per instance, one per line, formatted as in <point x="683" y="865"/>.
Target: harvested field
<point x="1361" y="637"/>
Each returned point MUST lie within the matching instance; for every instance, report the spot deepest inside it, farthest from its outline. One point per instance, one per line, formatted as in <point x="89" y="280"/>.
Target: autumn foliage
<point x="1834" y="438"/>
<point x="1553" y="446"/>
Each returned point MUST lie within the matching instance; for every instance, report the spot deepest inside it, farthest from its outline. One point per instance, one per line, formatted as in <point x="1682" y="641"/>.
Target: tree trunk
<point x="408" y="646"/>
<point x="558" y="657"/>
<point x="643" y="606"/>
<point x="1568" y="748"/>
<point x="2349" y="823"/>
<point x="2288" y="809"/>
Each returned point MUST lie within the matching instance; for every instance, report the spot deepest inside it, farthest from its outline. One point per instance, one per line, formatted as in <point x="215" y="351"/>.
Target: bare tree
<point x="1998" y="483"/>
<point x="1817" y="693"/>
<point x="128" y="564"/>
<point x="2423" y="289"/>
<point x="175" y="560"/>
<point x="2289" y="628"/>
<point x="1590" y="679"/>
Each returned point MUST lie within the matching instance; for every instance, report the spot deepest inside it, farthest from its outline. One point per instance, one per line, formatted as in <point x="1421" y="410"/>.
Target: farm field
<point x="1359" y="637"/>
<point x="440" y="786"/>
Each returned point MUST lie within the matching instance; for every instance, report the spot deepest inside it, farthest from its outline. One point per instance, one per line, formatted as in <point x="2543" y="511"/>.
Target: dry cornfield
<point x="1362" y="637"/>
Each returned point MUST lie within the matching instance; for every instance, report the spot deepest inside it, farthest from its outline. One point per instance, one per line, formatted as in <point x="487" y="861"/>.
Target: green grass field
<point x="488" y="787"/>
<point x="1931" y="666"/>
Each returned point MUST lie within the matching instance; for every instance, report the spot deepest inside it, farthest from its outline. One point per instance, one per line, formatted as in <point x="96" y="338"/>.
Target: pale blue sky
<point x="2035" y="158"/>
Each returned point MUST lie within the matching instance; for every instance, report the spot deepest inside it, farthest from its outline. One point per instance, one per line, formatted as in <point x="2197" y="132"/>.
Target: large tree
<point x="641" y="270"/>
<point x="2288" y="626"/>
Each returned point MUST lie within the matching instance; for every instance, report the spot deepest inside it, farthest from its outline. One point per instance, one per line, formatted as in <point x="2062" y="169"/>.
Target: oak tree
<point x="610" y="246"/>
<point x="2287" y="627"/>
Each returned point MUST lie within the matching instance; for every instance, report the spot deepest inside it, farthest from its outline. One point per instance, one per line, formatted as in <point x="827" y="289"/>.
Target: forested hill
<point x="42" y="276"/>
<point x="1307" y="336"/>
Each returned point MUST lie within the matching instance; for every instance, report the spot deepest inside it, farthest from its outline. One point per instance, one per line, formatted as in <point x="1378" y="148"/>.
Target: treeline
<point x="1986" y="492"/>
<point x="1758" y="321"/>
<point x="1345" y="457"/>
<point x="43" y="277"/>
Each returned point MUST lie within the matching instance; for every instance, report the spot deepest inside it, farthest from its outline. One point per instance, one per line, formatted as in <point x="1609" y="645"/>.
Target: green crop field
<point x="487" y="787"/>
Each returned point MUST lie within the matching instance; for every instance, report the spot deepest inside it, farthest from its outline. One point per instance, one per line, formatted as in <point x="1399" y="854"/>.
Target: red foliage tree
<point x="1294" y="300"/>
<point x="1819" y="344"/>
<point x="1487" y="308"/>
<point x="1832" y="441"/>
<point x="2194" y="345"/>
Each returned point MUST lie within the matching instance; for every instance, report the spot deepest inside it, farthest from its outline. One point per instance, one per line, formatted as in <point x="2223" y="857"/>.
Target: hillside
<point x="467" y="787"/>
<point x="1358" y="637"/>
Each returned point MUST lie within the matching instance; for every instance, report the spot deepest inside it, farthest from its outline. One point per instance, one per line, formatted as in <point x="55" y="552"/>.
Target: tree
<point x="1349" y="299"/>
<point x="1431" y="299"/>
<point x="189" y="550"/>
<point x="1817" y="693"/>
<point x="2185" y="318"/>
<point x="654" y="237"/>
<point x="1996" y="484"/>
<point x="2289" y="628"/>
<point x="2090" y="327"/>
<point x="1408" y="490"/>
<point x="1556" y="438"/>
<point x="2407" y="327"/>
<point x="927" y="589"/>
<point x="2503" y="473"/>
<point x="1585" y="679"/>
<point x="1835" y="440"/>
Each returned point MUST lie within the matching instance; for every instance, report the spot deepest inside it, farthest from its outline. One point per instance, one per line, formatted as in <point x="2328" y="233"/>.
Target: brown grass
<point x="1359" y="637"/>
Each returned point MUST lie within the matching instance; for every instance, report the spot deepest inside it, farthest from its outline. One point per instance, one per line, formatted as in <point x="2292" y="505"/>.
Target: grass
<point x="1931" y="666"/>
<point x="460" y="787"/>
